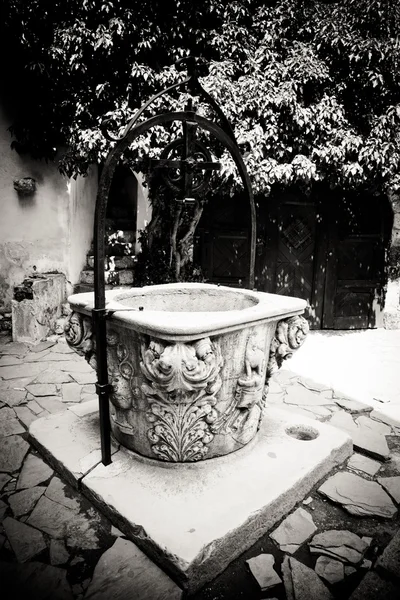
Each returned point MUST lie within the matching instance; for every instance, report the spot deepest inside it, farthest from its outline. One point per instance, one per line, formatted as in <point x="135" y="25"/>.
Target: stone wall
<point x="48" y="230"/>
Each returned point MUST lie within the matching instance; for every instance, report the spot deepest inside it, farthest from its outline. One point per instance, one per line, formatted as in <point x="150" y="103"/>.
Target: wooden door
<point x="289" y="261"/>
<point x="355" y="263"/>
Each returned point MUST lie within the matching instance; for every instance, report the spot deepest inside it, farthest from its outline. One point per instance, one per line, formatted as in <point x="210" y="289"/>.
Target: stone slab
<point x="296" y="529"/>
<point x="33" y="580"/>
<point x="358" y="496"/>
<point x="191" y="531"/>
<point x="125" y="573"/>
<point x="390" y="559"/>
<point x="389" y="414"/>
<point x="373" y="587"/>
<point x="262" y="569"/>
<point x="34" y="472"/>
<point x="362" y="463"/>
<point x="25" y="541"/>
<point x="70" y="443"/>
<point x="12" y="453"/>
<point x="392" y="486"/>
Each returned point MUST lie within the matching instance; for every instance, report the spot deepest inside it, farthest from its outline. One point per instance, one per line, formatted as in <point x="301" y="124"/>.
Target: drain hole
<point x="302" y="432"/>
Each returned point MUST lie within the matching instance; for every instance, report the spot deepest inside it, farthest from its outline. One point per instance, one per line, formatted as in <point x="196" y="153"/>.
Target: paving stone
<point x="59" y="555"/>
<point x="274" y="387"/>
<point x="34" y="472"/>
<point x="296" y="529"/>
<point x="390" y="559"/>
<point x="18" y="348"/>
<point x="58" y="521"/>
<point x="4" y="478"/>
<point x="293" y="409"/>
<point x="285" y="377"/>
<point x="12" y="453"/>
<point x="349" y="570"/>
<point x="363" y="463"/>
<point x="3" y="510"/>
<point x="23" y="502"/>
<point x="330" y="569"/>
<point x="85" y="408"/>
<point x="318" y="411"/>
<point x="21" y="371"/>
<point x="364" y="438"/>
<point x="6" y="361"/>
<point x="75" y="446"/>
<point x="63" y="347"/>
<point x="42" y="389"/>
<point x="71" y="392"/>
<point x="366" y="564"/>
<point x="25" y="541"/>
<point x="89" y="388"/>
<point x="35" y="357"/>
<point x="302" y="583"/>
<point x="301" y="396"/>
<point x="9" y="424"/>
<point x="52" y="404"/>
<point x="76" y="367"/>
<point x="372" y="587"/>
<point x="42" y="346"/>
<point x="392" y="486"/>
<point x="34" y="407"/>
<point x="63" y="494"/>
<point x="389" y="414"/>
<point x="53" y="375"/>
<point x="341" y="545"/>
<point x="315" y="386"/>
<point x="262" y="569"/>
<point x="358" y="496"/>
<point x="13" y="397"/>
<point x="59" y="357"/>
<point x="124" y="572"/>
<point x="25" y="415"/>
<point x="116" y="532"/>
<point x="84" y="378"/>
<point x="34" y="581"/>
<point x="354" y="406"/>
<point x="375" y="426"/>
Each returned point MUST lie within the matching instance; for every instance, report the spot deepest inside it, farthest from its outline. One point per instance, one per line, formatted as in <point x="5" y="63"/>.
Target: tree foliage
<point x="312" y="89"/>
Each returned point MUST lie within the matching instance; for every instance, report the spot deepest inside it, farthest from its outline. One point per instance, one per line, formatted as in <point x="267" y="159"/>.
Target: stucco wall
<point x="50" y="230"/>
<point x="83" y="192"/>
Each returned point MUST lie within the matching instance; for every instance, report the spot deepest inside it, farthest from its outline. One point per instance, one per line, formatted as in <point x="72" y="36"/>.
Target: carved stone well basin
<point x="188" y="363"/>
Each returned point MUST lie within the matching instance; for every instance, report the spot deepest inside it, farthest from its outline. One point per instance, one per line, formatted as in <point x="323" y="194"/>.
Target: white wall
<point x="51" y="229"/>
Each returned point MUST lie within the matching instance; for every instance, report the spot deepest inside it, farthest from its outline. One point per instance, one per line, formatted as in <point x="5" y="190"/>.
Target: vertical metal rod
<point x="102" y="386"/>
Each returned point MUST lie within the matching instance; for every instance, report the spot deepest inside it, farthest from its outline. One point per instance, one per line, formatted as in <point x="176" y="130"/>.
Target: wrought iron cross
<point x="193" y="158"/>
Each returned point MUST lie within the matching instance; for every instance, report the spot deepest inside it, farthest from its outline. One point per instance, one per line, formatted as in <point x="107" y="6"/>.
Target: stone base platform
<point x="193" y="519"/>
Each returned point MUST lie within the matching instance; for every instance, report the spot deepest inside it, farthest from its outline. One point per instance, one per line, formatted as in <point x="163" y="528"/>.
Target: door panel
<point x="355" y="266"/>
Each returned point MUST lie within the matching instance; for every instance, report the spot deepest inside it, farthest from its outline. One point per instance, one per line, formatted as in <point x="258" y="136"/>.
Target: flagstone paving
<point x="55" y="544"/>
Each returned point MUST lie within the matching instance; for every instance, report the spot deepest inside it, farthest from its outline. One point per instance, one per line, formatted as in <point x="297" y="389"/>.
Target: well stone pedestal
<point x="193" y="519"/>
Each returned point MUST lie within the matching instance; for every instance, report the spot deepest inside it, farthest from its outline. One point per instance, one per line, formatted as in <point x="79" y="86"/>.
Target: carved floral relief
<point x="181" y="383"/>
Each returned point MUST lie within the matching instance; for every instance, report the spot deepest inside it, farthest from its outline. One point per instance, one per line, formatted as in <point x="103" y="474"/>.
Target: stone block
<point x="125" y="277"/>
<point x="34" y="316"/>
<point x="191" y="531"/>
<point x="124" y="262"/>
<point x="70" y="443"/>
<point x="390" y="559"/>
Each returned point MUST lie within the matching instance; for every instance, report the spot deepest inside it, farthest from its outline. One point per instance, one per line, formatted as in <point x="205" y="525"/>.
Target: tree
<point x="312" y="89"/>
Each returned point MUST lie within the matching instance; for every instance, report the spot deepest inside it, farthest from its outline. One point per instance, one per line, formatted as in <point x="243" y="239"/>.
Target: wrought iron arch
<point x="224" y="134"/>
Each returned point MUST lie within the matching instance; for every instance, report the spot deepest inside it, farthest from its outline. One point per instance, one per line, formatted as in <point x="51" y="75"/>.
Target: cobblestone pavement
<point x="343" y="541"/>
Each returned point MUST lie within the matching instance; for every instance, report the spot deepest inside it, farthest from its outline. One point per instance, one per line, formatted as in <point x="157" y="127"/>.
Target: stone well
<point x="187" y="363"/>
